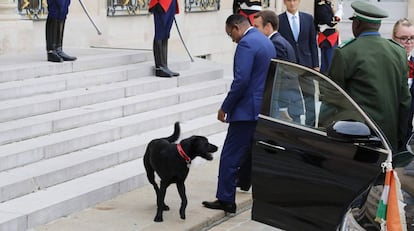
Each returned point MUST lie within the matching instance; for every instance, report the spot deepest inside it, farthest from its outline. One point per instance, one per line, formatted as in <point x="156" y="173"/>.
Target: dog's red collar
<point x="183" y="155"/>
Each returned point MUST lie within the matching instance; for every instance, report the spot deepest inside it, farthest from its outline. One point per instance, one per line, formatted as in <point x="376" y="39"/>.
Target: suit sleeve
<point x="243" y="64"/>
<point x="337" y="69"/>
<point x="281" y="51"/>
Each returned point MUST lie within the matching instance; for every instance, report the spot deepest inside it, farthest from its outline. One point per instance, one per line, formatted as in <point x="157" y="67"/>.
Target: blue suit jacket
<point x="251" y="63"/>
<point x="284" y="49"/>
<point x="306" y="48"/>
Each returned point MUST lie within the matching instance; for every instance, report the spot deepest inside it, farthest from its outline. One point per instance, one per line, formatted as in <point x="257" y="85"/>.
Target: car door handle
<point x="271" y="146"/>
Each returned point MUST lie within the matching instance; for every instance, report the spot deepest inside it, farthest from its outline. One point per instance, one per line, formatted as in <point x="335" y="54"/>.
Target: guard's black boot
<point x="61" y="29"/>
<point x="163" y="72"/>
<point x="165" y="57"/>
<point x="51" y="38"/>
<point x="160" y="69"/>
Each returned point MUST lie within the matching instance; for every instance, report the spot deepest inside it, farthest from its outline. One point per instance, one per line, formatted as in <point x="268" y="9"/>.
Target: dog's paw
<point x="158" y="219"/>
<point x="166" y="208"/>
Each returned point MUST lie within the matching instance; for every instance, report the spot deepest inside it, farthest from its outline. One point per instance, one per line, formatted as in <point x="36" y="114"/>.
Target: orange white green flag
<point x="390" y="212"/>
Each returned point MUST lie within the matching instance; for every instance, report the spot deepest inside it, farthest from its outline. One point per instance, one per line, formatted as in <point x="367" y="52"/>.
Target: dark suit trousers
<point x="308" y="91"/>
<point x="58" y="9"/>
<point x="163" y="21"/>
<point x="237" y="144"/>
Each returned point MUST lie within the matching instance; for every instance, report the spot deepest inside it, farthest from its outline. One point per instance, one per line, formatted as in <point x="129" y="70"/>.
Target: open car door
<point x="315" y="152"/>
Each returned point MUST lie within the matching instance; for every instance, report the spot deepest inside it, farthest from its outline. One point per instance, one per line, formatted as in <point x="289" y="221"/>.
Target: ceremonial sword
<point x="182" y="40"/>
<point x="90" y="18"/>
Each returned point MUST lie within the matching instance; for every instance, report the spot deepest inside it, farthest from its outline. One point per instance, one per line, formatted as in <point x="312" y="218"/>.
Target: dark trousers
<point x="58" y="9"/>
<point x="326" y="57"/>
<point x="237" y="144"/>
<point x="308" y="90"/>
<point x="163" y="21"/>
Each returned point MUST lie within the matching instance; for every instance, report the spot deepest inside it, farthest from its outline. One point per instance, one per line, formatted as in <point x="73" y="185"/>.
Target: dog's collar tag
<point x="183" y="155"/>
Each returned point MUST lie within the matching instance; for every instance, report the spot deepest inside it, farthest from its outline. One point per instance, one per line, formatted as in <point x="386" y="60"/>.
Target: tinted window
<point x="304" y="97"/>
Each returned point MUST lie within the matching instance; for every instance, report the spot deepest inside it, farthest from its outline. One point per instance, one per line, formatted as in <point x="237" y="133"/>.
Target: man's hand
<point x="221" y="115"/>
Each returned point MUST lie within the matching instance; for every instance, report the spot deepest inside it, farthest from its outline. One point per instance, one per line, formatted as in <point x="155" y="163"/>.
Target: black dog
<point x="171" y="162"/>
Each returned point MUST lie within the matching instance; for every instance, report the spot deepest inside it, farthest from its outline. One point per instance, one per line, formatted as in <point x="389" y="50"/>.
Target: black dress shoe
<point x="221" y="205"/>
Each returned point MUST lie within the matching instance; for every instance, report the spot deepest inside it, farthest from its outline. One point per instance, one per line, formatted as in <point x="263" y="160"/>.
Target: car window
<point x="306" y="98"/>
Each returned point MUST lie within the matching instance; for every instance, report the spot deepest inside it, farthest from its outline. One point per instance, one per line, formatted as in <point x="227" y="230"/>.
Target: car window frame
<point x="386" y="146"/>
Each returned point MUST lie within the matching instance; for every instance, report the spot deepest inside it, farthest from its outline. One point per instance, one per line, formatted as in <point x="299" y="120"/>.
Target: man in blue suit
<point x="299" y="29"/>
<point x="241" y="106"/>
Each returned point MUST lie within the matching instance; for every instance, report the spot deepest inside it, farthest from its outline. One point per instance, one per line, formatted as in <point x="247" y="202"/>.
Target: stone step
<point x="54" y="202"/>
<point x="73" y="80"/>
<point x="42" y="174"/>
<point x="46" y="103"/>
<point x="31" y="150"/>
<point x="73" y="134"/>
<point x="81" y="79"/>
<point x="27" y="66"/>
<point x="20" y="129"/>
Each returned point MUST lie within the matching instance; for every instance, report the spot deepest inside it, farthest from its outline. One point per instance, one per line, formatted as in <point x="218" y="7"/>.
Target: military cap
<point x="367" y="12"/>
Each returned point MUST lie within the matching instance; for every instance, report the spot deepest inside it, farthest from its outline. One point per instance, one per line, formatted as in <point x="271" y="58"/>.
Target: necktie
<point x="295" y="28"/>
<point x="411" y="72"/>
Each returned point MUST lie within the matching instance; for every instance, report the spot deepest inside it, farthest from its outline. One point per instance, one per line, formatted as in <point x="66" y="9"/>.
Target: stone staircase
<point x="73" y="134"/>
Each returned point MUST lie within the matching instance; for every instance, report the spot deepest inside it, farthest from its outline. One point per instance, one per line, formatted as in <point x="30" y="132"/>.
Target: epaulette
<point x="346" y="42"/>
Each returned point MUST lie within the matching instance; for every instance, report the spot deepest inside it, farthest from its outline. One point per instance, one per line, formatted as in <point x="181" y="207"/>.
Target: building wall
<point x="203" y="32"/>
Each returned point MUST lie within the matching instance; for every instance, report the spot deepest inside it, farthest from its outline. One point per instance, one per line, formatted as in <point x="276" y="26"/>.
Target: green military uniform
<point x="373" y="71"/>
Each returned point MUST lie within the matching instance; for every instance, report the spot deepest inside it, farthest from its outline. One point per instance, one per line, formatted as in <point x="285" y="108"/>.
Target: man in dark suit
<point x="298" y="28"/>
<point x="164" y="12"/>
<point x="289" y="103"/>
<point x="241" y="106"/>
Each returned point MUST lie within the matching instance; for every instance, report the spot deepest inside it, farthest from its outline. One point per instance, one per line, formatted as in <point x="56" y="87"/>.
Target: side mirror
<point x="349" y="132"/>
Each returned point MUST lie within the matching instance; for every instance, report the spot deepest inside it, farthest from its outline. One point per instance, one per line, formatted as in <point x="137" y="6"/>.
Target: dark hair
<point x="236" y="19"/>
<point x="268" y="16"/>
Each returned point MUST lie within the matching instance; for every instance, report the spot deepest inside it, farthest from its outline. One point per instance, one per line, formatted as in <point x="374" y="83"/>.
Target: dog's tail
<point x="174" y="137"/>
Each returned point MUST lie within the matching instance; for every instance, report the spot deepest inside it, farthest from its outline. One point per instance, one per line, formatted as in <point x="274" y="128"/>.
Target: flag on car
<point x="390" y="212"/>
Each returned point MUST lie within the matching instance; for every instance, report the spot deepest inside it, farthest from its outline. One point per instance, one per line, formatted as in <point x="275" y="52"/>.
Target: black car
<point x="316" y="156"/>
